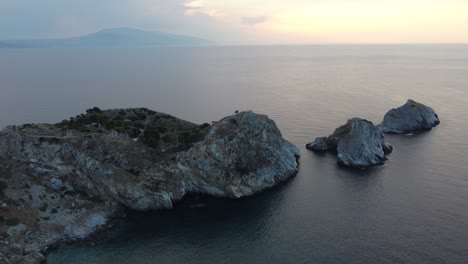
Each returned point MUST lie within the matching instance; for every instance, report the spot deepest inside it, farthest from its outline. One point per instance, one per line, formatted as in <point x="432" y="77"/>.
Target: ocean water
<point x="414" y="209"/>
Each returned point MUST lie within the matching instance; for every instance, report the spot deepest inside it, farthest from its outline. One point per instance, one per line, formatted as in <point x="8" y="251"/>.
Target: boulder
<point x="357" y="144"/>
<point x="408" y="118"/>
<point x="320" y="144"/>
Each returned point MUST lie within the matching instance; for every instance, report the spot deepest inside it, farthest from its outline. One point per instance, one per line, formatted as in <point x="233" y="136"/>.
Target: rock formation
<point x="408" y="118"/>
<point x="63" y="182"/>
<point x="358" y="144"/>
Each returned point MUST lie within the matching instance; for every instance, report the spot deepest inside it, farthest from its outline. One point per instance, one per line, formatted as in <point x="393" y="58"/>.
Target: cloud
<point x="214" y="13"/>
<point x="195" y="4"/>
<point x="252" y="21"/>
<point x="198" y="7"/>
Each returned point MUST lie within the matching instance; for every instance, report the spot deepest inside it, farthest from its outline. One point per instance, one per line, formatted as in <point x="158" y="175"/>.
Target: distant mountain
<point x="116" y="37"/>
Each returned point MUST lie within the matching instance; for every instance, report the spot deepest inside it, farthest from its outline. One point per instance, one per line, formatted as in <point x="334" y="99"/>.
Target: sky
<point x="246" y="21"/>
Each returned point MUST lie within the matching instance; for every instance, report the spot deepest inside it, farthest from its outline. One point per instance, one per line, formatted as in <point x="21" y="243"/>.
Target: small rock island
<point x="408" y="118"/>
<point x="63" y="182"/>
<point x="358" y="144"/>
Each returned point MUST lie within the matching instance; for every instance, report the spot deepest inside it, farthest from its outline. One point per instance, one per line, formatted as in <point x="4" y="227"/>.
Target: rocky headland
<point x="408" y="118"/>
<point x="63" y="182"/>
<point x="358" y="144"/>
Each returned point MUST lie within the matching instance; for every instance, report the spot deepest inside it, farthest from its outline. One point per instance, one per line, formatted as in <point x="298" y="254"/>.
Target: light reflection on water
<point x="411" y="210"/>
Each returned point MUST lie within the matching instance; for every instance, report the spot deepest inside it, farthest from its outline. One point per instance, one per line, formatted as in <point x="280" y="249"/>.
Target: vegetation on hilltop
<point x="156" y="130"/>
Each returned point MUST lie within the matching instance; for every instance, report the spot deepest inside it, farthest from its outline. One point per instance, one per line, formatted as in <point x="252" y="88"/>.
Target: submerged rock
<point x="410" y="117"/>
<point x="70" y="179"/>
<point x="358" y="144"/>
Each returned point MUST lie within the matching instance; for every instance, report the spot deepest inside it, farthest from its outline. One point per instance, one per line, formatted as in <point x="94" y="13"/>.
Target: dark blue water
<point x="412" y="210"/>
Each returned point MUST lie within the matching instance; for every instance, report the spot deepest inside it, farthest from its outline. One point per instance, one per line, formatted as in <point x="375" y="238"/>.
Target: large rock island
<point x="408" y="118"/>
<point x="358" y="144"/>
<point x="65" y="181"/>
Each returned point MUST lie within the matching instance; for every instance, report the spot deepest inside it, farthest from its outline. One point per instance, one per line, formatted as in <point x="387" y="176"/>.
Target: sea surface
<point x="414" y="209"/>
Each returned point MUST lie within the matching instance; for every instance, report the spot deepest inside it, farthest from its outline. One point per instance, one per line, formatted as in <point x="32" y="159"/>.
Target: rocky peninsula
<point x="358" y="144"/>
<point x="62" y="182"/>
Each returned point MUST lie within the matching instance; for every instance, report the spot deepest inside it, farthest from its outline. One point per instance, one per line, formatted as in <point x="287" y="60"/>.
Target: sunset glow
<point x="249" y="21"/>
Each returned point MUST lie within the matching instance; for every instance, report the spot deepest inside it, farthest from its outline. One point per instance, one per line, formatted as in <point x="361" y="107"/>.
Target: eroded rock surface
<point x="63" y="182"/>
<point x="408" y="118"/>
<point x="358" y="144"/>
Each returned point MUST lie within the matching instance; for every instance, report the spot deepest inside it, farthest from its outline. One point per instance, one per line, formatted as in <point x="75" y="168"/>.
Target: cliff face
<point x="62" y="184"/>
<point x="408" y="118"/>
<point x="358" y="143"/>
<point x="241" y="155"/>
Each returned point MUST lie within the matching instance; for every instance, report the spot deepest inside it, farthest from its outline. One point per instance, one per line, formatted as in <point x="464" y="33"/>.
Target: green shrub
<point x="169" y="138"/>
<point x="188" y="137"/>
<point x="205" y="125"/>
<point x="43" y="207"/>
<point x="151" y="137"/>
<point x="119" y="129"/>
<point x="118" y="118"/>
<point x="95" y="199"/>
<point x="84" y="129"/>
<point x="12" y="222"/>
<point x="94" y="110"/>
<point x="161" y="129"/>
<point x="133" y="118"/>
<point x="54" y="211"/>
<point x="141" y="116"/>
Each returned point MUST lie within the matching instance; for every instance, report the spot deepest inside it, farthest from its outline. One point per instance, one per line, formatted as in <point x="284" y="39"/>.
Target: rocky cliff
<point x="358" y="143"/>
<point x="63" y="182"/>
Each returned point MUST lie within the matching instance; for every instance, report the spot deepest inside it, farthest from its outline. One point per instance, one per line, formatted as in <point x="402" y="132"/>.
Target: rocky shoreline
<point x="63" y="182"/>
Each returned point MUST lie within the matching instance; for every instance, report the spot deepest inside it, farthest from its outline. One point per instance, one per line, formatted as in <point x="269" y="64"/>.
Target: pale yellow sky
<point x="246" y="21"/>
<point x="335" y="21"/>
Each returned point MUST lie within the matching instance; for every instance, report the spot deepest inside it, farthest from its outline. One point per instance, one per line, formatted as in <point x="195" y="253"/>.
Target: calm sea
<point x="412" y="210"/>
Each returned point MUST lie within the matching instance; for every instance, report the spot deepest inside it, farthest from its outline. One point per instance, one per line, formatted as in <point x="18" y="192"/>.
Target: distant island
<point x="115" y="37"/>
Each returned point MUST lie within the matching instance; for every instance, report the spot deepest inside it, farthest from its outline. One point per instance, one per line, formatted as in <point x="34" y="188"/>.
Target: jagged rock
<point x="31" y="258"/>
<point x="320" y="144"/>
<point x="77" y="179"/>
<point x="4" y="260"/>
<point x="387" y="148"/>
<point x="358" y="144"/>
<point x="410" y="117"/>
<point x="247" y="146"/>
